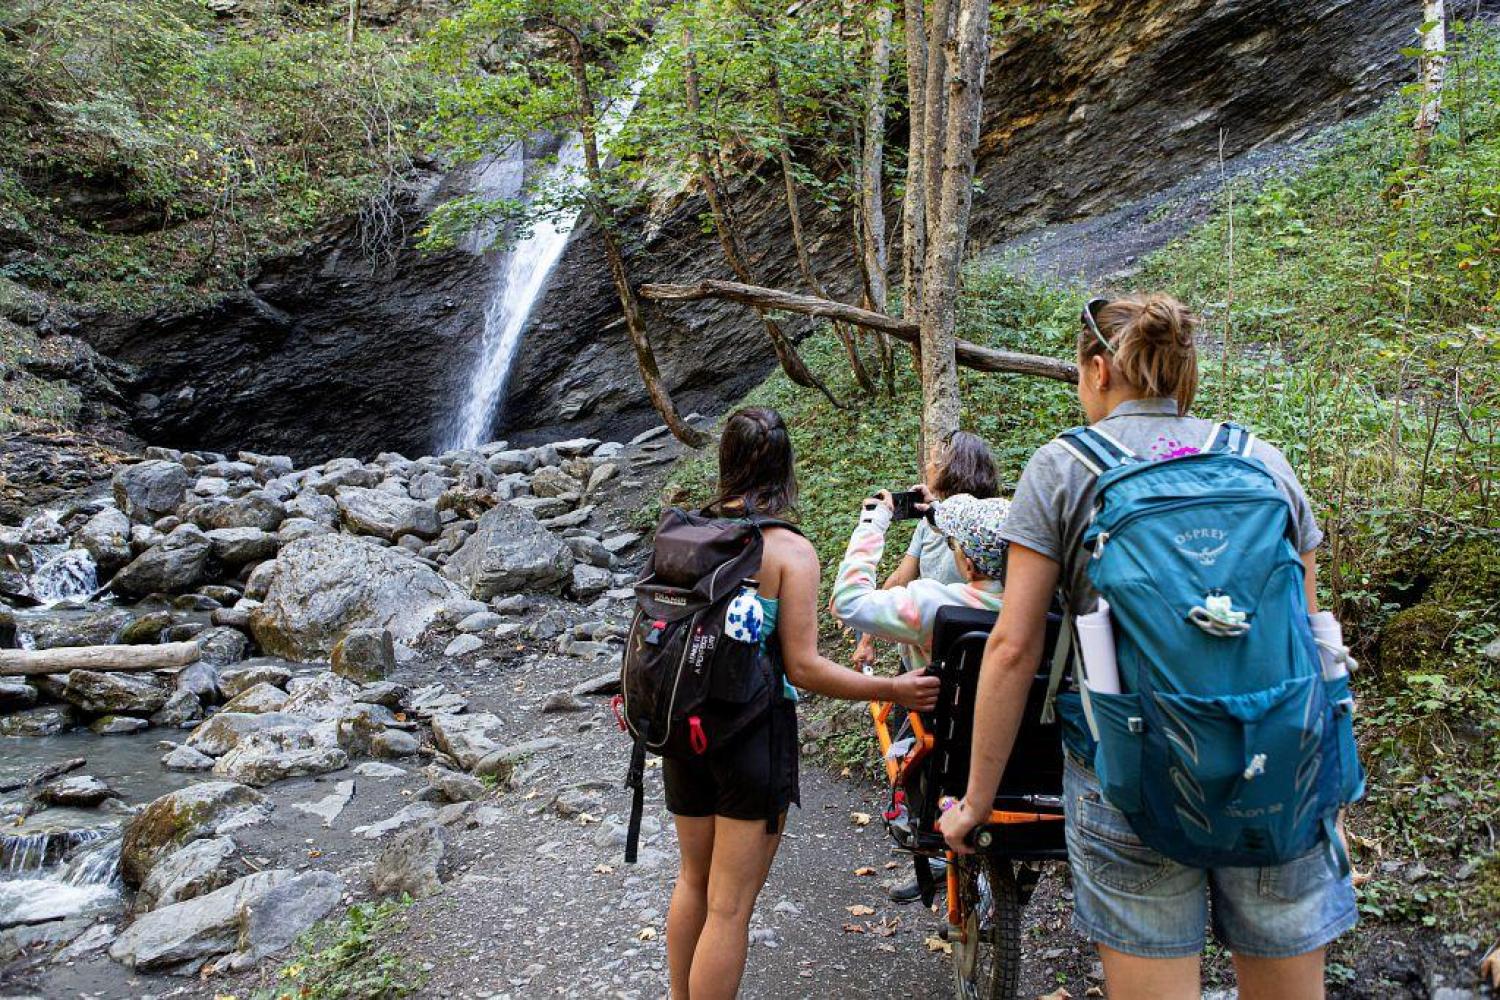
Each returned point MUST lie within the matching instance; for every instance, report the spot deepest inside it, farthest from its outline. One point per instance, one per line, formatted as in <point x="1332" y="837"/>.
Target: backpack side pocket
<point x="1117" y="759"/>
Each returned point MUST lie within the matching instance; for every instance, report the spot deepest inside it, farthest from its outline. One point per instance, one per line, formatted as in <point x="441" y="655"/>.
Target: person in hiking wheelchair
<point x="943" y="628"/>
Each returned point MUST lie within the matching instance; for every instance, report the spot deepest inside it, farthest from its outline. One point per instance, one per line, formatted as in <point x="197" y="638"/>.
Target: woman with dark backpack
<point x="719" y="799"/>
<point x="1145" y="911"/>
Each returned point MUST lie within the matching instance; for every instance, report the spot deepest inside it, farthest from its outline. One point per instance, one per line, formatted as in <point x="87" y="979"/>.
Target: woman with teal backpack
<point x="1206" y="766"/>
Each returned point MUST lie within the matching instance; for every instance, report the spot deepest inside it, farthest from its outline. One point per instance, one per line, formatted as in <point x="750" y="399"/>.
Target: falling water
<point x="70" y="573"/>
<point x="521" y="279"/>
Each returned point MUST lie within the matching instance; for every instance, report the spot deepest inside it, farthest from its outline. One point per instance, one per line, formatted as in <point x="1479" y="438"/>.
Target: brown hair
<point x="966" y="466"/>
<point x="1154" y="351"/>
<point x="756" y="463"/>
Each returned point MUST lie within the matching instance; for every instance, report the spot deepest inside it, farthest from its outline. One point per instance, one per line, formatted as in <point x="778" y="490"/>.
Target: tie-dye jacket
<point x="903" y="615"/>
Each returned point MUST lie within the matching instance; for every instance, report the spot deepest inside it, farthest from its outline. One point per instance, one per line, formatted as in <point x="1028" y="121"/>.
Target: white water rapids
<point x="522" y="277"/>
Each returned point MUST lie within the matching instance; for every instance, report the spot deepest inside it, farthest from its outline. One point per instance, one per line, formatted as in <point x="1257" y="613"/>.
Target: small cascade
<point x="94" y="865"/>
<point x="23" y="854"/>
<point x="523" y="278"/>
<point x="69" y="574"/>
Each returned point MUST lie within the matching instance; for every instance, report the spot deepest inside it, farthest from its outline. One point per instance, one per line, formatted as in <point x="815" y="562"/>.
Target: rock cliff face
<point x="323" y="355"/>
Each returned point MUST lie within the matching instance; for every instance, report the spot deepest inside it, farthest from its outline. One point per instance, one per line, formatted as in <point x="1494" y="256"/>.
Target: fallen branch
<point x="45" y="774"/>
<point x="984" y="359"/>
<point x="28" y="662"/>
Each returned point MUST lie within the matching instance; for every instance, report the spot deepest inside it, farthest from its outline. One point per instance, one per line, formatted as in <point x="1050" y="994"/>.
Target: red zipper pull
<point x="617" y="705"/>
<point x="696" y="737"/>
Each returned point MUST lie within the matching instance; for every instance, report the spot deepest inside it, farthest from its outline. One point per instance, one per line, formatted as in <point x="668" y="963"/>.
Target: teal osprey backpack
<point x="1226" y="746"/>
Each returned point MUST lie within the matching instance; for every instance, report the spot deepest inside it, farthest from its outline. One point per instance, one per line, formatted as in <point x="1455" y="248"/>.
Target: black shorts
<point x="755" y="777"/>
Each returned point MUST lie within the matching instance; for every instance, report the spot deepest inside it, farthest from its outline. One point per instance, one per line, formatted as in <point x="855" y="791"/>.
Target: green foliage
<point x="345" y="960"/>
<point x="200" y="143"/>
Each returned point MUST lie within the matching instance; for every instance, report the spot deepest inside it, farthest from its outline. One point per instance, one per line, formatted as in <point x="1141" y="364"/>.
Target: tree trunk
<point x="1434" y="68"/>
<point x="804" y="261"/>
<point x="975" y="356"/>
<point x="32" y="662"/>
<point x="635" y="326"/>
<point x="935" y="109"/>
<point x="966" y="51"/>
<point x="913" y="206"/>
<point x="786" y="352"/>
<point x="351" y="31"/>
<point x="872" y="190"/>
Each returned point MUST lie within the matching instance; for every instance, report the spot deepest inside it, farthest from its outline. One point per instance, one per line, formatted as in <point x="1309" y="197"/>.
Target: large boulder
<point x="106" y="537"/>
<point x="177" y="563"/>
<point x="89" y="628"/>
<point x="364" y="654"/>
<point x="187" y="873"/>
<point x="49" y="720"/>
<point x="509" y="551"/>
<point x="468" y="738"/>
<point x="253" y="510"/>
<point x="386" y="515"/>
<point x="149" y="490"/>
<point x="252" y="917"/>
<point x="181" y="817"/>
<point x="550" y="481"/>
<point x="237" y="546"/>
<point x="97" y="691"/>
<point x="264" y="758"/>
<point x="325" y="586"/>
<point x="222" y="731"/>
<point x="409" y="865"/>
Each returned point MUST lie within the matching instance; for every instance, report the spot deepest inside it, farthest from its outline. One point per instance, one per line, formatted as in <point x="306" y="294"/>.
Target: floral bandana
<point x="975" y="524"/>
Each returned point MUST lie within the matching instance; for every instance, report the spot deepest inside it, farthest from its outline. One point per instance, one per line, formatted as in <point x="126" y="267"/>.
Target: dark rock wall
<point x="323" y="356"/>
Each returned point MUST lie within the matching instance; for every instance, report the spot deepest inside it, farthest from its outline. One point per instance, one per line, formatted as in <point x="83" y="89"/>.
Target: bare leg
<point x="1297" y="978"/>
<point x="742" y="854"/>
<point x="1128" y="977"/>
<point x="695" y="840"/>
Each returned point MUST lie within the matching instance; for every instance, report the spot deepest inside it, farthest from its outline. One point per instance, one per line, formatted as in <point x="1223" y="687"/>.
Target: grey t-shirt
<point x="934" y="558"/>
<point x="1055" y="498"/>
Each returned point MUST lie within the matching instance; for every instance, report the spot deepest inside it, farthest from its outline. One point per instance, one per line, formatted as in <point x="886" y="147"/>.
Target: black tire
<point x="987" y="948"/>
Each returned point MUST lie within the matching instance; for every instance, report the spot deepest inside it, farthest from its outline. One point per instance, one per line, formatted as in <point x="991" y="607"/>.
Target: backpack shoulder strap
<point x="1229" y="438"/>
<point x="773" y="522"/>
<point x="1097" y="450"/>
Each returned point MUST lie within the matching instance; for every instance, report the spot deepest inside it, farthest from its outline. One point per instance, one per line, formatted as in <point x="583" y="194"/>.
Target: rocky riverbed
<point x="357" y="633"/>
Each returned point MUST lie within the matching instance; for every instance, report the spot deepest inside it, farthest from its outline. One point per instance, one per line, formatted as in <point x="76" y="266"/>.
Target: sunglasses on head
<point x="1090" y="319"/>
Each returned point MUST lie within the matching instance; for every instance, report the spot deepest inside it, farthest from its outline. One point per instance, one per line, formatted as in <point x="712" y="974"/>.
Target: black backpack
<point x="688" y="684"/>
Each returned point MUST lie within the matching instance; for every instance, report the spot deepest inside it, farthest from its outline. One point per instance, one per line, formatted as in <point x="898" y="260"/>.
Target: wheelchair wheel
<point x="987" y="941"/>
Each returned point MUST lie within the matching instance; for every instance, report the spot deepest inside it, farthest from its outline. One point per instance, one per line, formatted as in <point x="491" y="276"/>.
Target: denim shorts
<point x="1132" y="899"/>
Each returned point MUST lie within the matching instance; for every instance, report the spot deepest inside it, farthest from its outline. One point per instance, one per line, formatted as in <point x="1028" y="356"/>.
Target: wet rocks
<point x="509" y="551"/>
<point x="176" y="563"/>
<point x="179" y="817"/>
<point x="118" y="725"/>
<point x="185" y="758"/>
<point x="106" y="537"/>
<point x="237" y="546"/>
<point x="100" y="691"/>
<point x="146" y="629"/>
<point x="92" y="628"/>
<point x="16" y="695"/>
<point x="258" y="698"/>
<point x="151" y="489"/>
<point x="232" y="682"/>
<point x="410" y="863"/>
<point x="80" y="790"/>
<point x="49" y="720"/>
<point x="327" y="585"/>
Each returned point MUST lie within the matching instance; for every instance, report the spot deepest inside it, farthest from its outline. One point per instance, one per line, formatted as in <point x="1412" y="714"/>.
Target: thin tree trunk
<point x="913" y="208"/>
<point x="966" y="51"/>
<point x="804" y="261"/>
<point x="351" y="31"/>
<point x="786" y="352"/>
<point x="975" y="356"/>
<point x="661" y="399"/>
<point x="935" y="110"/>
<point x="1434" y="68"/>
<point x="872" y="188"/>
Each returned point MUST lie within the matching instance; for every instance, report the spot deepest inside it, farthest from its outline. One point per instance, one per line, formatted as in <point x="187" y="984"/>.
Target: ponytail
<point x="1152" y="346"/>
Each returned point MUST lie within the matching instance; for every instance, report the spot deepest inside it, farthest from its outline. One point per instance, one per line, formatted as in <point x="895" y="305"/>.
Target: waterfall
<point x="522" y="278"/>
<point x="70" y="573"/>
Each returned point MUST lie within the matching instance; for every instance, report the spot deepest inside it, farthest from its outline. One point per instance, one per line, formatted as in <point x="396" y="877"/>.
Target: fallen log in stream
<point x="31" y="662"/>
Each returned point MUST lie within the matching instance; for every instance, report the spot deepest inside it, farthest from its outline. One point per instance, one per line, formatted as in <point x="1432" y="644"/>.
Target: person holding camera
<point x="963" y="466"/>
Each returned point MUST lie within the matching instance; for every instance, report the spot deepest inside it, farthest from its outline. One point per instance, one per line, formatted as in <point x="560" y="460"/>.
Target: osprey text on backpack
<point x="1227" y="746"/>
<point x="694" y="675"/>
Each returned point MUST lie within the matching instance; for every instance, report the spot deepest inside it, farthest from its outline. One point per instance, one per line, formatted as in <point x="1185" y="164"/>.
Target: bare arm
<point x="1310" y="579"/>
<point x="1010" y="659"/>
<point x="905" y="572"/>
<point x="810" y="670"/>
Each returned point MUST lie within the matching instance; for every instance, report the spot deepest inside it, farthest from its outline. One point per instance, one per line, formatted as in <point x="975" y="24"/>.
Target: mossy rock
<point x="1466" y="574"/>
<point x="179" y="817"/>
<point x="1417" y="640"/>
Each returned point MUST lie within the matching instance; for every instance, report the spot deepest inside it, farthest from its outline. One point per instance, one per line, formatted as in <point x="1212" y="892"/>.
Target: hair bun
<point x="1165" y="321"/>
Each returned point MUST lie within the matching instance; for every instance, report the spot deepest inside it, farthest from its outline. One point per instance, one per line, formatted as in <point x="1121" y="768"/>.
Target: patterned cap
<point x="975" y="524"/>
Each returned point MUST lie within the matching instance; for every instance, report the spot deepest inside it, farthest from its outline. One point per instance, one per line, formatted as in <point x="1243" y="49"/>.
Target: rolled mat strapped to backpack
<point x="1222" y="699"/>
<point x="694" y="676"/>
